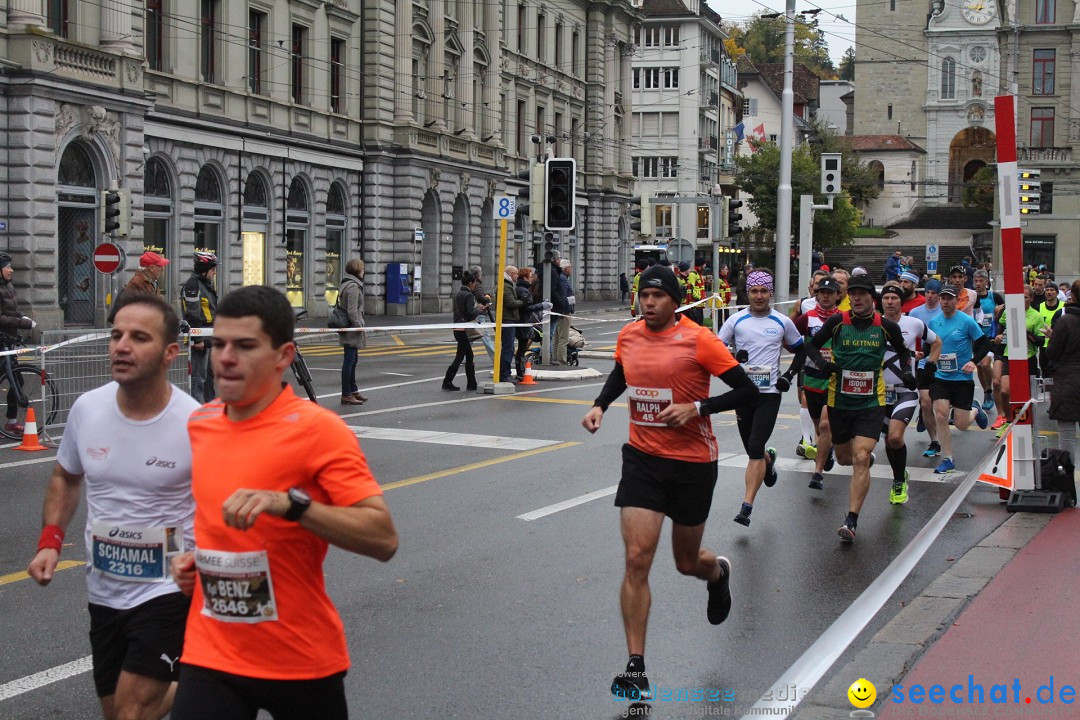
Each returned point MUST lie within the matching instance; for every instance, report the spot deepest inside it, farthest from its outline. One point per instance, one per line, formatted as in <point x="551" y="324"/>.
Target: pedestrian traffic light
<point x="551" y="244"/>
<point x="559" y="193"/>
<point x="109" y="214"/>
<point x="642" y="210"/>
<point x="530" y="199"/>
<point x="733" y="218"/>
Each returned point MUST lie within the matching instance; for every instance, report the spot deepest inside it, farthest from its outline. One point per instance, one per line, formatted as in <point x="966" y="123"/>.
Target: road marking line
<point x="475" y="466"/>
<point x="437" y="403"/>
<point x="613" y="332"/>
<point x="23" y="575"/>
<point x="398" y="374"/>
<point x="880" y="471"/>
<point x="45" y="677"/>
<point x="567" y="504"/>
<point x="398" y="340"/>
<point x="557" y="401"/>
<point x="35" y="461"/>
<point x="450" y="438"/>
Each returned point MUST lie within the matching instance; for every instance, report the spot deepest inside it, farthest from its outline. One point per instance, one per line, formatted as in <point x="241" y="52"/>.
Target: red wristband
<point x="52" y="538"/>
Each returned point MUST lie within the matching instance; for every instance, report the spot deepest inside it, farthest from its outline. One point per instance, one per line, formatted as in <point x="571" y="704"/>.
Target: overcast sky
<point x="839" y="34"/>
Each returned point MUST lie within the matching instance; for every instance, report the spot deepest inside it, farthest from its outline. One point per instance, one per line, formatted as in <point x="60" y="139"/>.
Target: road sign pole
<point x="499" y="299"/>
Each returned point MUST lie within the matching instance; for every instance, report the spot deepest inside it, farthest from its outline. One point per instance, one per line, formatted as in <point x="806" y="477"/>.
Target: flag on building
<point x="740" y="131"/>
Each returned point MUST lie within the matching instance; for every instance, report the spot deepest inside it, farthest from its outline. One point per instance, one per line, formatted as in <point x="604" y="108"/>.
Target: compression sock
<point x="897" y="461"/>
<point x="807" y="426"/>
<point x="636" y="664"/>
<point x="852" y="520"/>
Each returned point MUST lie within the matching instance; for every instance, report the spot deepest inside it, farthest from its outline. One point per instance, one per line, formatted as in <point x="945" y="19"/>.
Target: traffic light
<point x="830" y="173"/>
<point x="1030" y="191"/>
<point x="109" y="218"/>
<point x="551" y="243"/>
<point x="733" y="218"/>
<point x="530" y="199"/>
<point x="561" y="176"/>
<point x="643" y="225"/>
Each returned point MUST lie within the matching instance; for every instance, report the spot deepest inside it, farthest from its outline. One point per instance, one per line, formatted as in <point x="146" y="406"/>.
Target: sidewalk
<point x="583" y="307"/>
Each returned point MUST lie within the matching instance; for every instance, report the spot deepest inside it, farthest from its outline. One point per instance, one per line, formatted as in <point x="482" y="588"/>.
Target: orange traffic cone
<point x="30" y="436"/>
<point x="528" y="379"/>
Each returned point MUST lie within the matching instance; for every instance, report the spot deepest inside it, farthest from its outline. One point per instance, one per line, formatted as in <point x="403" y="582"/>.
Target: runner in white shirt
<point x="900" y="402"/>
<point x="757" y="335"/>
<point x="129" y="441"/>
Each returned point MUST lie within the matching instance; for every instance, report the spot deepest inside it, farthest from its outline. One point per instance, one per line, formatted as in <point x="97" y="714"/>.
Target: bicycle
<point x="19" y="382"/>
<point x="299" y="365"/>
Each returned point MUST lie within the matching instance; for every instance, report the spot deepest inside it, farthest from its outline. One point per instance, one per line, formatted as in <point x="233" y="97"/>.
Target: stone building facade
<point x="291" y="135"/>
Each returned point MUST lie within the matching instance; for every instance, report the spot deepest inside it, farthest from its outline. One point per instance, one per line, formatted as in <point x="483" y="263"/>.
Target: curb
<point x="895" y="649"/>
<point x="597" y="354"/>
<point x="579" y="374"/>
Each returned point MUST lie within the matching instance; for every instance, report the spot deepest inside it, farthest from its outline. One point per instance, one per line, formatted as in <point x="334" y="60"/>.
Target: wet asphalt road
<point x="485" y="615"/>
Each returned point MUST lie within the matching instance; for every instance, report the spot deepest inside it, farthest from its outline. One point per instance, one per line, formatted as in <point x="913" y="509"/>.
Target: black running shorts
<point x="846" y="424"/>
<point x="959" y="393"/>
<point x="815" y="401"/>
<point x="205" y="694"/>
<point x="143" y="640"/>
<point x="679" y="489"/>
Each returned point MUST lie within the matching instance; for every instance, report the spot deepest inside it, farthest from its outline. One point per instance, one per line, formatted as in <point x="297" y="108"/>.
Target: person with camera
<point x="466" y="310"/>
<point x="200" y="307"/>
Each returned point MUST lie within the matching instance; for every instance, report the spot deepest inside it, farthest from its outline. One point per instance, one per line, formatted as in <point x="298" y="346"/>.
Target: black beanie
<point x="661" y="277"/>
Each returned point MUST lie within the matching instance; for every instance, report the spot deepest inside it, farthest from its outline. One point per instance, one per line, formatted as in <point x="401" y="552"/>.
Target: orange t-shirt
<point x="260" y="607"/>
<point x="662" y="368"/>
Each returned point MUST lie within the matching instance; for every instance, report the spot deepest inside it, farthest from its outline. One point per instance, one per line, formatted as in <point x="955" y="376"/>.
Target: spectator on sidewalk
<point x="200" y="306"/>
<point x="1063" y="356"/>
<point x="483" y="297"/>
<point x="532" y="311"/>
<point x="11" y="321"/>
<point x="511" y="313"/>
<point x="624" y="287"/>
<point x="145" y="279"/>
<point x="893" y="266"/>
<point x="351" y="297"/>
<point x="562" y="327"/>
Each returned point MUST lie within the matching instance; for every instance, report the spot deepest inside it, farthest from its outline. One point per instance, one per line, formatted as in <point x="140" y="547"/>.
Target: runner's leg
<point x="690" y="558"/>
<point x="641" y="533"/>
<point x="941" y="413"/>
<point x="860" y="448"/>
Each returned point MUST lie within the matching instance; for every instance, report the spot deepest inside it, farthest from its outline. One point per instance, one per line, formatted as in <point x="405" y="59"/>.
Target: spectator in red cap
<point x="145" y="279"/>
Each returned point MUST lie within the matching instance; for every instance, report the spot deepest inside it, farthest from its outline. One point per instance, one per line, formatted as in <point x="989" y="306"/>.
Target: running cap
<point x="827" y="283"/>
<point x="957" y="269"/>
<point x="861" y="282"/>
<point x="152" y="259"/>
<point x="933" y="286"/>
<point x="662" y="278"/>
<point x="858" y="271"/>
<point x="910" y="277"/>
<point x="948" y="290"/>
<point x="684" y="266"/>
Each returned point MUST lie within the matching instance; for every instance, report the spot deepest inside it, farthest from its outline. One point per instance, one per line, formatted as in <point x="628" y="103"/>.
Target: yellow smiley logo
<point x="862" y="693"/>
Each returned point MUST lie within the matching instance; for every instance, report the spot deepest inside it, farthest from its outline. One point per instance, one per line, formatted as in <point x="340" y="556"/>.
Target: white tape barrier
<point x="209" y="332"/>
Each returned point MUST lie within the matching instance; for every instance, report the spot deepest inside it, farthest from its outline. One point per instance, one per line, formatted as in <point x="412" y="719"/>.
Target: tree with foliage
<point x="847" y="65"/>
<point x="758" y="175"/>
<point x="762" y="39"/>
<point x="979" y="190"/>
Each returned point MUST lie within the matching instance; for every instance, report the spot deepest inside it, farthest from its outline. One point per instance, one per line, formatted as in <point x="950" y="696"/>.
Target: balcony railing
<point x="1044" y="154"/>
<point x="707" y="143"/>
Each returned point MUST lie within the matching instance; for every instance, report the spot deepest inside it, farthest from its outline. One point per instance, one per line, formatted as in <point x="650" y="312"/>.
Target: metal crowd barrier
<point x="77" y="361"/>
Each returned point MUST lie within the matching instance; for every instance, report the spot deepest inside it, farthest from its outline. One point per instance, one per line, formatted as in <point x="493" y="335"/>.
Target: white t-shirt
<point x="914" y="330"/>
<point x="138" y="484"/>
<point x="807" y="304"/>
<point x="762" y="338"/>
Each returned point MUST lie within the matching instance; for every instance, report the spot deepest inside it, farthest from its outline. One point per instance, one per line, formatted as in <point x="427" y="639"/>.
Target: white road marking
<point x="35" y="461"/>
<point x="613" y="332"/>
<point x="382" y="387"/>
<point x="45" y="677"/>
<point x="880" y="471"/>
<point x="566" y="504"/>
<point x="451" y="438"/>
<point x="398" y="374"/>
<point x="468" y="398"/>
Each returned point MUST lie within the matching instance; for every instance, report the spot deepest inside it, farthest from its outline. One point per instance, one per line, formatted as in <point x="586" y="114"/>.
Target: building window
<point x="522" y="130"/>
<point x="650" y="36"/>
<point x="647" y="78"/>
<point x="208" y="40"/>
<point x="256" y="45"/>
<point x="541" y="37"/>
<point x="575" y="51"/>
<point x="671" y="36"/>
<point x="154" y="34"/>
<point x="662" y="225"/>
<point x="299" y="50"/>
<point x="645" y="167"/>
<point x="297" y="221"/>
<point x="889" y="111"/>
<point x="878" y="170"/>
<point x="1045" y="11"/>
<point x="337" y="73"/>
<point x="669" y="167"/>
<point x="58" y="17"/>
<point x="209" y="210"/>
<point x="671" y="78"/>
<point x="558" y="45"/>
<point x="157" y="216"/>
<point x="1042" y="72"/>
<point x="948" y="79"/>
<point x="521" y="30"/>
<point x="1046" y="198"/>
<point x="913" y="175"/>
<point x="336" y="225"/>
<point x="892" y="5"/>
<point x="1042" y="127"/>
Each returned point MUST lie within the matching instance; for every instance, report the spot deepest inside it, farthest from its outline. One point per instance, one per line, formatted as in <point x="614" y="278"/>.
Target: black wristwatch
<point x="299" y="502"/>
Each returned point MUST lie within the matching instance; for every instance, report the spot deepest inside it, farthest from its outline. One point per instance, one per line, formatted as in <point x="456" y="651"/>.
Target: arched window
<point x="77" y="234"/>
<point x="948" y="79"/>
<point x="337" y="214"/>
<point x="878" y="169"/>
<point x="157" y="218"/>
<point x="297" y="221"/>
<point x="76" y="167"/>
<point x="209" y="210"/>
<point x="256" y="217"/>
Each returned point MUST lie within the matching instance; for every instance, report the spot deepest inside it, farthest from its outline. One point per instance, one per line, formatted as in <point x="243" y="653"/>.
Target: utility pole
<point x="787" y="129"/>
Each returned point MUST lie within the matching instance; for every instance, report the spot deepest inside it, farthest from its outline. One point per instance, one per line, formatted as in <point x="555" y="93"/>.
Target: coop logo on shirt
<point x="642" y="392"/>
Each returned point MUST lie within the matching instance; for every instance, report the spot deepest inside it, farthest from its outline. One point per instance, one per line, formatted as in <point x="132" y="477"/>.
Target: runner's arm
<point x="980" y="348"/>
<point x="896" y="339"/>
<point x="797" y="361"/>
<point x="743" y="390"/>
<point x="822" y="336"/>
<point x="61" y="502"/>
<point x="613" y="388"/>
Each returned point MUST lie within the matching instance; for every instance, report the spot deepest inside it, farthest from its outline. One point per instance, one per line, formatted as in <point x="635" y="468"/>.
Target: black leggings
<point x="205" y="694"/>
<point x="464" y="352"/>
<point x="756" y="423"/>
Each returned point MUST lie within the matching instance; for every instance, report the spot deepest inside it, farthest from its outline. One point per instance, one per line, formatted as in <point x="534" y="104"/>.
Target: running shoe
<point x="830" y="461"/>
<point x="770" y="472"/>
<point x="811" y="451"/>
<point x="14" y="426"/>
<point x="800" y="449"/>
<point x="1002" y="430"/>
<point x="932" y="450"/>
<point x="999" y="423"/>
<point x="631" y="685"/>
<point x="898" y="494"/>
<point x="988" y="401"/>
<point x="980" y="416"/>
<point x="720" y="593"/>
<point x="816" y="481"/>
<point x="743" y="518"/>
<point x="846" y="533"/>
<point x="920" y="426"/>
<point x="952" y="420"/>
<point x="946" y="466"/>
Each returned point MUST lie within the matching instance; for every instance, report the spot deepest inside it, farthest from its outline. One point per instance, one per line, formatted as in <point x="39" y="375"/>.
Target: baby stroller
<point x="575" y="341"/>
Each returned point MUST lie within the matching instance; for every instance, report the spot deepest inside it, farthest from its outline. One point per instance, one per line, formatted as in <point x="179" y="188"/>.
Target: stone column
<point x="493" y="33"/>
<point x="24" y="13"/>
<point x="116" y="26"/>
<point x="437" y="66"/>
<point x="469" y="105"/>
<point x="403" y="98"/>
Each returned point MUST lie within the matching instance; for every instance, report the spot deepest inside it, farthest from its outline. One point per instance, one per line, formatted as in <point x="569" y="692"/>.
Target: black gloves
<point x="830" y="368"/>
<point x="930" y="367"/>
<point x="783" y="383"/>
<point x="741" y="356"/>
<point x="909" y="381"/>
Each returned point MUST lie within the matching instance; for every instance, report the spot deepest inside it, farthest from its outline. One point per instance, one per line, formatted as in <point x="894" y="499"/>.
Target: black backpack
<point x="1056" y="475"/>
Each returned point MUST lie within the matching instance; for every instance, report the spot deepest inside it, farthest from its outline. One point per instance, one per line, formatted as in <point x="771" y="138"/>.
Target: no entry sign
<point x="108" y="258"/>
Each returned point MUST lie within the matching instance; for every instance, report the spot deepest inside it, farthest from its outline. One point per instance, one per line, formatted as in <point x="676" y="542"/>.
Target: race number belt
<point x="646" y="403"/>
<point x="857" y="382"/>
<point x="134" y="554"/>
<point x="236" y="586"/>
<point x="947" y="362"/>
<point x="760" y="375"/>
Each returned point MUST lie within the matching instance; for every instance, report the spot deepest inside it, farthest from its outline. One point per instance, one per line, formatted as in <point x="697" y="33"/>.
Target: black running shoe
<point x="770" y="471"/>
<point x="631" y="685"/>
<point x="743" y="518"/>
<point x="720" y="593"/>
<point x="830" y="461"/>
<point x="816" y="481"/>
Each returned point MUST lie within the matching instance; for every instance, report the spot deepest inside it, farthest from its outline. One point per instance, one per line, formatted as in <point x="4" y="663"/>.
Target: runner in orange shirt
<point x="669" y="466"/>
<point x="262" y="632"/>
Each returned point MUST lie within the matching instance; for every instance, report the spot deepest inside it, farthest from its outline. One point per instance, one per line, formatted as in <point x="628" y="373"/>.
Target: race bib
<point x="856" y="382"/>
<point x="890" y="394"/>
<point x="947" y="362"/>
<point x="760" y="375"/>
<point x="236" y="586"/>
<point x="134" y="554"/>
<point x="986" y="320"/>
<point x="646" y="403"/>
<point x="826" y="354"/>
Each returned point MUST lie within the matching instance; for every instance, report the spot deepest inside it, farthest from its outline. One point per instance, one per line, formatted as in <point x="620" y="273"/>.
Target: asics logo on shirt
<point x="153" y="461"/>
<point x="125" y="534"/>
